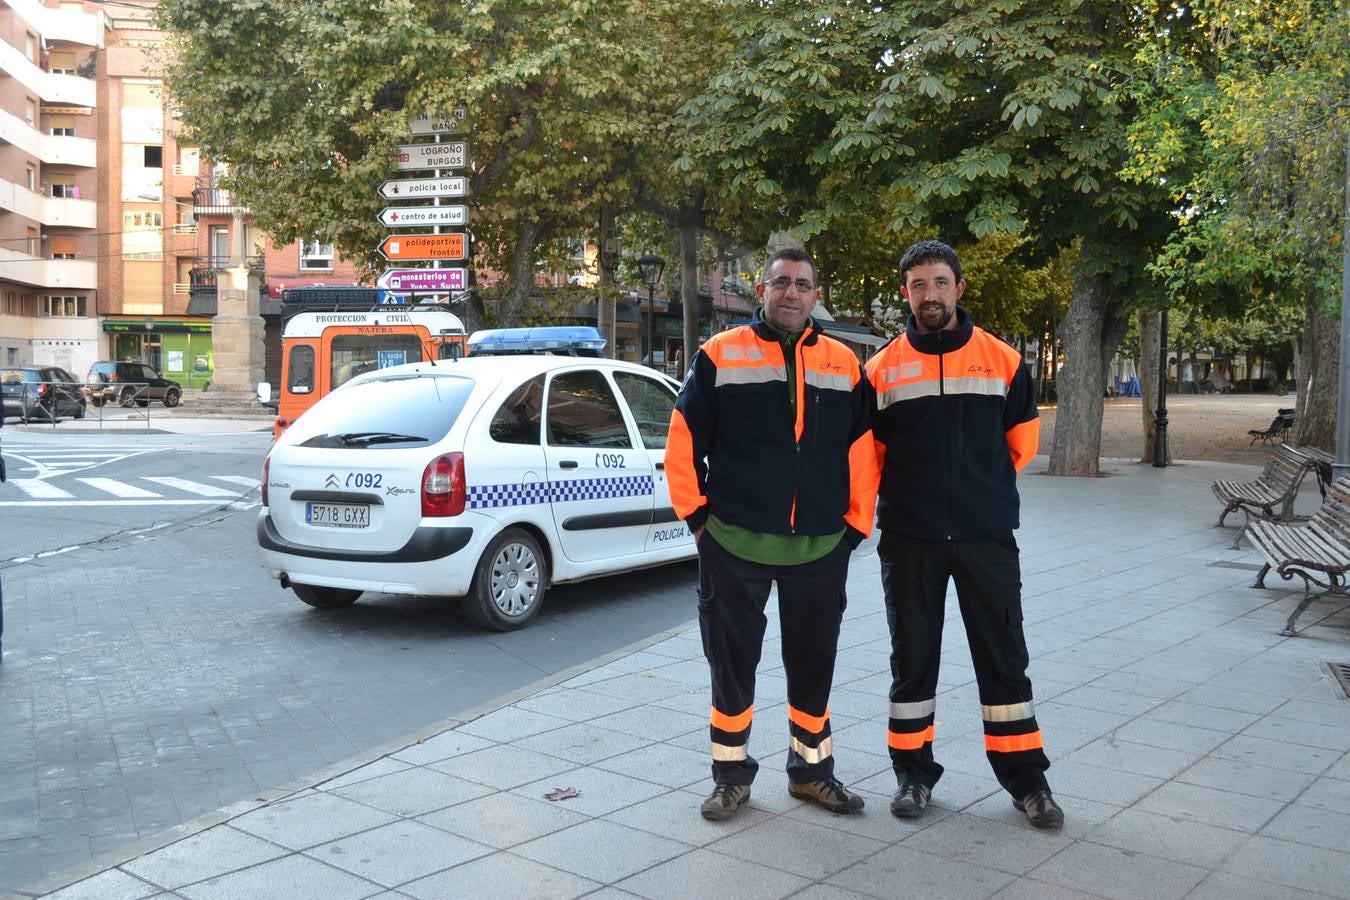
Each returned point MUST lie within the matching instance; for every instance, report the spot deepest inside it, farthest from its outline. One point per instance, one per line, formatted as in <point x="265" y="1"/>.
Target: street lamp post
<point x="1160" y="417"/>
<point x="651" y="267"/>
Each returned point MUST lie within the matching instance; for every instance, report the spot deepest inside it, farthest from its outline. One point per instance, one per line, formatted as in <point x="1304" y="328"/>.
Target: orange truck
<point x="331" y="335"/>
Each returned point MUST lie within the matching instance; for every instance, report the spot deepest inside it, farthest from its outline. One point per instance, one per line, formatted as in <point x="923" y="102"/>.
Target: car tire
<point x="127" y="397"/>
<point x="509" y="584"/>
<point x="325" y="597"/>
<point x="172" y="396"/>
<point x="79" y="410"/>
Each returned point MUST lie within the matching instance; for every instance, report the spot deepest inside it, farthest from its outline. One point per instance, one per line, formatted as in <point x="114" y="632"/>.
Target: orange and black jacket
<point x="955" y="422"/>
<point x="738" y="449"/>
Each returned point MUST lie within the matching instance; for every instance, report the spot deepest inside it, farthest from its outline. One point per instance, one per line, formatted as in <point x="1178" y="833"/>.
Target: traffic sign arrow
<point x="448" y="155"/>
<point x="424" y="246"/>
<point x="417" y="188"/>
<point x="405" y="280"/>
<point x="410" y="216"/>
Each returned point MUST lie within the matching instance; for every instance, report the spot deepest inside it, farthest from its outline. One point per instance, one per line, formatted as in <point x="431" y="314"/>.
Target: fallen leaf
<point x="562" y="794"/>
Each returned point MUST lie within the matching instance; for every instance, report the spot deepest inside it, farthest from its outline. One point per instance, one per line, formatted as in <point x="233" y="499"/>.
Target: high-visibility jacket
<point x="956" y="420"/>
<point x="738" y="449"/>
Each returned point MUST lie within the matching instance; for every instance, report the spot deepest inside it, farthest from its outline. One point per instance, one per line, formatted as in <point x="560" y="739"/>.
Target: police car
<point x="532" y="462"/>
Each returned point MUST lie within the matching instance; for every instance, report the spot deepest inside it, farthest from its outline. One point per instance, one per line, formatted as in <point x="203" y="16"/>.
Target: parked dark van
<point x="128" y="383"/>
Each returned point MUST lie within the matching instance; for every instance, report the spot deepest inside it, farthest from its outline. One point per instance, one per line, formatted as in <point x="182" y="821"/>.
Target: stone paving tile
<point x="398" y="852"/>
<point x="665" y="764"/>
<point x="600" y="850"/>
<point x="1055" y="715"/>
<point x="112" y="884"/>
<point x="1223" y="886"/>
<point x="582" y="743"/>
<point x="511" y="723"/>
<point x="413" y="792"/>
<point x="702" y="873"/>
<point x="921" y="874"/>
<point x="1333" y="711"/>
<point x="501" y="875"/>
<point x="801" y="847"/>
<point x="1217" y="696"/>
<point x="1119" y="874"/>
<point x="1211" y="806"/>
<point x="1115" y="753"/>
<point x="443" y="746"/>
<point x="987" y="842"/>
<point x="675" y="815"/>
<point x="1296" y="865"/>
<point x="955" y="791"/>
<point x="312" y="819"/>
<point x="1030" y="889"/>
<point x="1313" y="827"/>
<point x="1327" y="793"/>
<point x="385" y="765"/>
<point x="1214" y="718"/>
<point x="601" y="791"/>
<point x="1116" y="788"/>
<point x="1245" y="778"/>
<point x="1171" y="735"/>
<point x="203" y="855"/>
<point x="1090" y="697"/>
<point x="827" y="892"/>
<point x="642" y="687"/>
<point x="290" y="876"/>
<point x="503" y="766"/>
<point x="1312" y="734"/>
<point x="652" y="722"/>
<point x="1340" y="769"/>
<point x="1277" y="754"/>
<point x="504" y="820"/>
<point x="1165" y="836"/>
<point x="576" y="705"/>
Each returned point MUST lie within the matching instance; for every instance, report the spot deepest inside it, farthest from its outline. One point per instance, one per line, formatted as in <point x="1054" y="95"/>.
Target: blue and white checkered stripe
<point x="491" y="496"/>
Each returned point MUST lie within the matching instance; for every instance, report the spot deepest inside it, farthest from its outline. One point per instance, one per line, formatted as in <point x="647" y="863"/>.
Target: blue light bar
<point x="563" y="340"/>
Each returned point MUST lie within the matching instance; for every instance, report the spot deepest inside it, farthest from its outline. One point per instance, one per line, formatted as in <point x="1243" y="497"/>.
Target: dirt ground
<point x="1204" y="426"/>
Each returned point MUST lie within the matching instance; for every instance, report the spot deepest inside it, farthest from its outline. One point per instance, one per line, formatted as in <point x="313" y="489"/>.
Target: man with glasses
<point x="770" y="461"/>
<point x="956" y="420"/>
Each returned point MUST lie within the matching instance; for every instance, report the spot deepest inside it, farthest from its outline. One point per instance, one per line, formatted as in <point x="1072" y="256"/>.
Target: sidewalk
<point x="155" y="420"/>
<point x="1196" y="753"/>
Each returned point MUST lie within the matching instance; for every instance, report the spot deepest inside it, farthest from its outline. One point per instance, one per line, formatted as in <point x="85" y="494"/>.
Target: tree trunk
<point x="522" y="272"/>
<point x="1150" y="376"/>
<point x="1318" y="385"/>
<point x="689" y="290"/>
<point x="1090" y="333"/>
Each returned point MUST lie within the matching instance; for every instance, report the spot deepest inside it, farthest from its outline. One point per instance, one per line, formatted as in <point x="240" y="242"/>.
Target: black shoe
<point x="829" y="793"/>
<point x="1041" y="809"/>
<point x="723" y="802"/>
<point x="910" y="800"/>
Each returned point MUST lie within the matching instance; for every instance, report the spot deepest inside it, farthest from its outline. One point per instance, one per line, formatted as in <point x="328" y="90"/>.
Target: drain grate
<point x="1341" y="672"/>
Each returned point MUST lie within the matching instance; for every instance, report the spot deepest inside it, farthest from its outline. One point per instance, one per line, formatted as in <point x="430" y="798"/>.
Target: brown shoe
<point x="1041" y="809"/>
<point x="723" y="802"/>
<point x="829" y="793"/>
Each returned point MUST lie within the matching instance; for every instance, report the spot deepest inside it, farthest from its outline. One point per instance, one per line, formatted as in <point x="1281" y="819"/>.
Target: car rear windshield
<point x="14" y="376"/>
<point x="407" y="411"/>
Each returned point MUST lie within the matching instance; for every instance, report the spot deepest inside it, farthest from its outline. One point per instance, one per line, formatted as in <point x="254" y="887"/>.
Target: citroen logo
<point x="333" y="481"/>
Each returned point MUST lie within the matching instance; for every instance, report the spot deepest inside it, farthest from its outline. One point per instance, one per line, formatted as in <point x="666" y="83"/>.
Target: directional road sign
<point x="405" y="280"/>
<point x="424" y="246"/>
<point x="409" y="216"/>
<point x="441" y="123"/>
<point x="417" y="188"/>
<point x="448" y="155"/>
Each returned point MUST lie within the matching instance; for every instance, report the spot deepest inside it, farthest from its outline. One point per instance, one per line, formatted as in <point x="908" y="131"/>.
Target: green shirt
<point x="763" y="547"/>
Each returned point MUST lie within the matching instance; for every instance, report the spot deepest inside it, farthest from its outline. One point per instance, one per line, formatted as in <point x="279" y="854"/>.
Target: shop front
<point x="180" y="349"/>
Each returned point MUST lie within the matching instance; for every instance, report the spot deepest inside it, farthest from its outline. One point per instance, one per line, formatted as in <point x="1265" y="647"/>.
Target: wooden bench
<point x="1276" y="486"/>
<point x="1318" y="550"/>
<point x="1279" y="428"/>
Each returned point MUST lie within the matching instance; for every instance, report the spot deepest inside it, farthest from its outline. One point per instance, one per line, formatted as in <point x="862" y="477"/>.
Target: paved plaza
<point x="1196" y="753"/>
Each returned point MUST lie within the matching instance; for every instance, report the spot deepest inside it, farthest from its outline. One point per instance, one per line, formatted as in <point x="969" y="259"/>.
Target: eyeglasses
<point x="782" y="283"/>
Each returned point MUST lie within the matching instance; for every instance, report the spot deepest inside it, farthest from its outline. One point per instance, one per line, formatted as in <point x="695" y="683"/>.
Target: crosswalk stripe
<point x="117" y="488"/>
<point x="238" y="479"/>
<point x="192" y="487"/>
<point x="35" y="487"/>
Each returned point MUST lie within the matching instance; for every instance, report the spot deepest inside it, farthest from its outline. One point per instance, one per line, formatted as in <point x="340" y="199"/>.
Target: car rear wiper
<point x="366" y="438"/>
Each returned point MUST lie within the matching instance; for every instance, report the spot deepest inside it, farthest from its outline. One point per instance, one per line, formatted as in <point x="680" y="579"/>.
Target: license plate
<point x="338" y="515"/>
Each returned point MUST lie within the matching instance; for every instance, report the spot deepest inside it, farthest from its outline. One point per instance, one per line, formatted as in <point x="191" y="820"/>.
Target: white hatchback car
<point x="487" y="478"/>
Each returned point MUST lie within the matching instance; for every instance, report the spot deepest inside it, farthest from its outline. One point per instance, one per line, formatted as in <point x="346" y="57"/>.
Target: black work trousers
<point x="732" y="596"/>
<point x="914" y="576"/>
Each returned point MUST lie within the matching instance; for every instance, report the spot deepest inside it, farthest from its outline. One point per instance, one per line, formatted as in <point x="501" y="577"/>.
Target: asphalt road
<point x="153" y="673"/>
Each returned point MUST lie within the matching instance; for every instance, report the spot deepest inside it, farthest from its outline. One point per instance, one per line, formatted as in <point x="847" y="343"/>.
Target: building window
<point x="314" y="255"/>
<point x="30" y="47"/>
<point x="31" y="177"/>
<point x="71" y="191"/>
<point x="62" y="126"/>
<point x="30" y="111"/>
<point x="154" y="156"/>
<point x="62" y="62"/>
<point x="64" y="307"/>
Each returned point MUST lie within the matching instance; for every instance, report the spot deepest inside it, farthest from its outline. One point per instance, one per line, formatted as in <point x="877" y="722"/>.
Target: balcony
<point x="54" y="211"/>
<point x="208" y="201"/>
<point x="59" y="24"/>
<point x="51" y="88"/>
<point x="62" y="274"/>
<point x="71" y="151"/>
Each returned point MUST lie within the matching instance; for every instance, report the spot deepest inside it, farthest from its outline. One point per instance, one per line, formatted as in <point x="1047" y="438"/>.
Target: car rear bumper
<point x="425" y="545"/>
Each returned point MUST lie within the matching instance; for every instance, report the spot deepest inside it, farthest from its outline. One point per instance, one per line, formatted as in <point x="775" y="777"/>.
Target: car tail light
<point x="267" y="463"/>
<point x="112" y="376"/>
<point x="42" y="389"/>
<point x="443" y="490"/>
